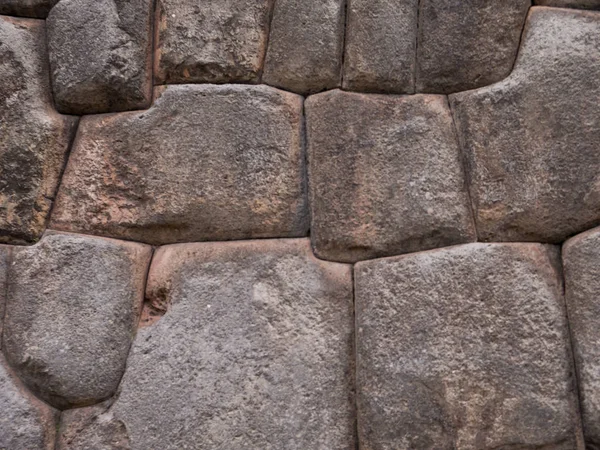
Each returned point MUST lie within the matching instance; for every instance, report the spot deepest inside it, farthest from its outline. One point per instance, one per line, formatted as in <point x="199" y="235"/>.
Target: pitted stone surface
<point x="532" y="140"/>
<point x="211" y="41"/>
<point x="584" y="4"/>
<point x="305" y="45"/>
<point x="92" y="75"/>
<point x="581" y="260"/>
<point x="73" y="305"/>
<point x="385" y="176"/>
<point x="204" y="163"/>
<point x="465" y="348"/>
<point x="34" y="138"/>
<point x="5" y="252"/>
<point x="26" y="423"/>
<point x="27" y="8"/>
<point x="467" y="44"/>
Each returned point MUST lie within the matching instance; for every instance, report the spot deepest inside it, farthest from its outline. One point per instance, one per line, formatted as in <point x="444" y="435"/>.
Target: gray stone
<point x="584" y="4"/>
<point x="204" y="163"/>
<point x="5" y="252"/>
<point x="467" y="44"/>
<point x="381" y="39"/>
<point x="27" y="8"/>
<point x="212" y="41"/>
<point x="26" y="423"/>
<point x="385" y="176"/>
<point x="96" y="75"/>
<point x="465" y="348"/>
<point x="581" y="260"/>
<point x="73" y="305"/>
<point x="34" y="138"/>
<point x="531" y="141"/>
<point x="305" y="45"/>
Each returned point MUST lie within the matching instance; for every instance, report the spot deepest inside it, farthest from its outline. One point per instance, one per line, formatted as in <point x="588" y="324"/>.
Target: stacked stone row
<point x="335" y="317"/>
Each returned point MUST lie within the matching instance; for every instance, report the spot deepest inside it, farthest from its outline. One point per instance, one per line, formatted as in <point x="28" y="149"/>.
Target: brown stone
<point x="584" y="4"/>
<point x="465" y="348"/>
<point x="385" y="176"/>
<point x="531" y="141"/>
<point x="27" y="8"/>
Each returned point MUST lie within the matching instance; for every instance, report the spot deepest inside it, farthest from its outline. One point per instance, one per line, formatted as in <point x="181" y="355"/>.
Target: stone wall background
<point x="283" y="224"/>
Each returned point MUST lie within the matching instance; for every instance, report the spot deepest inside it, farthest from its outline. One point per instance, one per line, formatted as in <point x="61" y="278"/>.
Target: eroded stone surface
<point x="204" y="163"/>
<point x="532" y="140"/>
<point x="27" y="8"/>
<point x="584" y="4"/>
<point x="465" y="348"/>
<point x="73" y="305"/>
<point x="34" y="138"/>
<point x="213" y="41"/>
<point x="305" y="45"/>
<point x="381" y="39"/>
<point x="581" y="260"/>
<point x="385" y="176"/>
<point x="92" y="75"/>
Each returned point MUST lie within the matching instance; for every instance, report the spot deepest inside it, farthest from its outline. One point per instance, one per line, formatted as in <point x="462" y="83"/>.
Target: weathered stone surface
<point x="532" y="140"/>
<point x="204" y="163"/>
<point x="255" y="351"/>
<point x="381" y="39"/>
<point x="27" y="8"/>
<point x="5" y="252"/>
<point x="26" y="423"/>
<point x="213" y="41"/>
<point x="581" y="260"/>
<point x="73" y="305"/>
<point x="305" y="45"/>
<point x="34" y="138"/>
<point x="92" y="75"/>
<point x="467" y="44"/>
<point x="584" y="4"/>
<point x="385" y="176"/>
<point x="465" y="348"/>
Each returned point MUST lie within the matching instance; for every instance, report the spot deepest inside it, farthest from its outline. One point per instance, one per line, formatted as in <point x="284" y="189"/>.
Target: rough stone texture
<point x="27" y="8"/>
<point x="34" y="138"/>
<point x="26" y="423"/>
<point x="465" y="348"/>
<point x="584" y="4"/>
<point x="204" y="163"/>
<point x="5" y="252"/>
<point x="97" y="75"/>
<point x="385" y="176"/>
<point x="532" y="140"/>
<point x="211" y="41"/>
<point x="73" y="305"/>
<point x="305" y="45"/>
<point x="581" y="259"/>
<point x="381" y="38"/>
<point x="467" y="44"/>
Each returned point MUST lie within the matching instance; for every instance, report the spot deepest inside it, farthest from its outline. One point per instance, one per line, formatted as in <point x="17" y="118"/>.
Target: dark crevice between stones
<point x="523" y="30"/>
<point x="57" y="431"/>
<point x="154" y="306"/>
<point x="415" y="69"/>
<point x="345" y="15"/>
<point x="259" y="78"/>
<point x="305" y="176"/>
<point x="355" y="362"/>
<point x="154" y="27"/>
<point x="9" y="256"/>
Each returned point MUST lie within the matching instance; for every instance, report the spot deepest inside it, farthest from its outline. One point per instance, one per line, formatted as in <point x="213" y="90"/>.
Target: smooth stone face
<point x="204" y="163"/>
<point x="305" y="46"/>
<point x="5" y="252"/>
<point x="381" y="39"/>
<point x="73" y="305"/>
<point x="34" y="138"/>
<point x="581" y="261"/>
<point x="92" y="75"/>
<point x="531" y="141"/>
<point x="26" y="423"/>
<point x="584" y="4"/>
<point x="467" y="44"/>
<point x="27" y="8"/>
<point x="465" y="348"/>
<point x="211" y="41"/>
<point x="385" y="176"/>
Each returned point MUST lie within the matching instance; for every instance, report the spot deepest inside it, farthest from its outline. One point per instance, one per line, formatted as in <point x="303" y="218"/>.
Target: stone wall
<point x="299" y="224"/>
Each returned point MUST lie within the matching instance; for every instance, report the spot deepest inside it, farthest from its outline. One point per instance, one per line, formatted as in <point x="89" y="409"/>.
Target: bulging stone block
<point x="92" y="75"/>
<point x="204" y="163"/>
<point x="38" y="9"/>
<point x="73" y="305"/>
<point x="531" y="141"/>
<point x="34" y="138"/>
<point x="465" y="348"/>
<point x="385" y="176"/>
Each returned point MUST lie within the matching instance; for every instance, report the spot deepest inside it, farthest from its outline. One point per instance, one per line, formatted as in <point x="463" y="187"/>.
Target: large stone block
<point x="305" y="45"/>
<point x="34" y="138"/>
<point x="73" y="305"/>
<point x="386" y="176"/>
<point x="27" y="8"/>
<point x="532" y="140"/>
<point x="584" y="4"/>
<point x="255" y="351"/>
<point x="211" y="41"/>
<point x="465" y="348"/>
<point x="204" y="163"/>
<point x="92" y="75"/>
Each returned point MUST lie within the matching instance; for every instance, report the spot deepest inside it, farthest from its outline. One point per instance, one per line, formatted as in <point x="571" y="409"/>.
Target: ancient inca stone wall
<point x="285" y="224"/>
